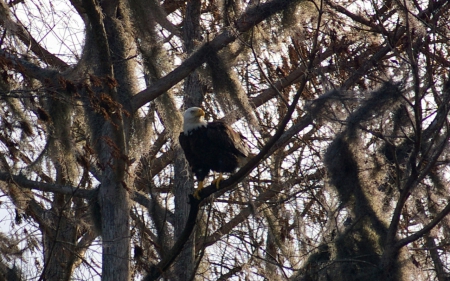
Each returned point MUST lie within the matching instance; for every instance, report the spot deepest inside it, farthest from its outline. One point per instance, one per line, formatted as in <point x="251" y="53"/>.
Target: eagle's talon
<point x="197" y="195"/>
<point x="218" y="180"/>
<point x="197" y="191"/>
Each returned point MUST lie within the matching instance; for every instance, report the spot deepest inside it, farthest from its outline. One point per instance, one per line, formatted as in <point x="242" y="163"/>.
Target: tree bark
<point x="185" y="264"/>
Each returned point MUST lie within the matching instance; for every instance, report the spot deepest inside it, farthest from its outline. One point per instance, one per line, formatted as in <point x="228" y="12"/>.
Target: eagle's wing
<point x="186" y="146"/>
<point x="224" y="136"/>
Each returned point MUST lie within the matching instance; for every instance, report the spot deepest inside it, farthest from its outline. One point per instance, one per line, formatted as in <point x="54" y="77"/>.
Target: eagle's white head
<point x="193" y="119"/>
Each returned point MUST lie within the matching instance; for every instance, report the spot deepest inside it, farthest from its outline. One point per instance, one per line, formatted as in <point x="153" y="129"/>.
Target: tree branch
<point x="29" y="41"/>
<point x="413" y="237"/>
<point x="44" y="75"/>
<point x="156" y="271"/>
<point x="22" y="181"/>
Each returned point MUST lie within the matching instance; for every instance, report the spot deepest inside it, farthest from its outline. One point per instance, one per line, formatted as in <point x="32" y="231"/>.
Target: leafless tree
<point x="345" y="105"/>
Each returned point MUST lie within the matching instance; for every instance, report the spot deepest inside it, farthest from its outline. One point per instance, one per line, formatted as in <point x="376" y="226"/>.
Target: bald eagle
<point x="210" y="146"/>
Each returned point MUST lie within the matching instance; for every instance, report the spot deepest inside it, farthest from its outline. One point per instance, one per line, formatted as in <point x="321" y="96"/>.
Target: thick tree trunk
<point x="60" y="235"/>
<point x="59" y="244"/>
<point x="184" y="265"/>
<point x="111" y="30"/>
<point x="115" y="208"/>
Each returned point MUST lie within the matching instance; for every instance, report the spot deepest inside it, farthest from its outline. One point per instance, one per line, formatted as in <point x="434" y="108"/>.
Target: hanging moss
<point x="227" y="88"/>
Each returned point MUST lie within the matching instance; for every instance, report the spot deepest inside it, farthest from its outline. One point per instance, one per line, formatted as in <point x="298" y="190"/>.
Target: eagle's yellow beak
<point x="200" y="112"/>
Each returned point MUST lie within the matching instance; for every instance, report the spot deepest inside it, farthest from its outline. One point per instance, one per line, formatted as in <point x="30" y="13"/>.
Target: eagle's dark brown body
<point x="215" y="146"/>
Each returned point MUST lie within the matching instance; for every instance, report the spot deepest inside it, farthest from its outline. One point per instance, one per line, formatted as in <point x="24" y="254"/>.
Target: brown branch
<point x="171" y="6"/>
<point x="22" y="181"/>
<point x="239" y="218"/>
<point x="48" y="76"/>
<point x="436" y="257"/>
<point x="272" y="91"/>
<point x="28" y="40"/>
<point x="356" y="18"/>
<point x="230" y="273"/>
<point x="370" y="62"/>
<point x="413" y="237"/>
<point x="156" y="271"/>
<point x="144" y="201"/>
